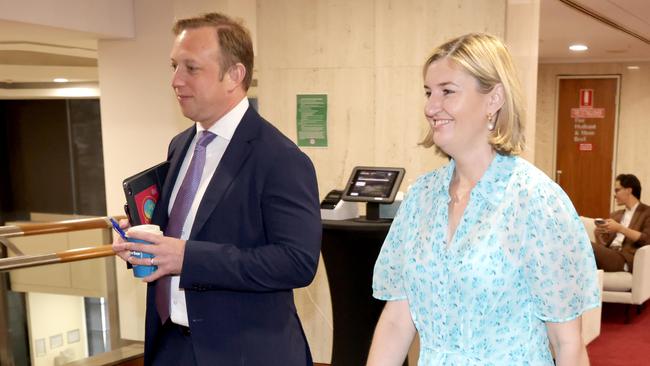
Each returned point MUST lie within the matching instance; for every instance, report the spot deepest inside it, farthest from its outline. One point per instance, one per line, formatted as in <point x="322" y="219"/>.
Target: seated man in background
<point x="618" y="237"/>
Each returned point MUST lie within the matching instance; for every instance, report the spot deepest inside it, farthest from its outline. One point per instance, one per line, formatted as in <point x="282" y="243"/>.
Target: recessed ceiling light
<point x="633" y="67"/>
<point x="60" y="80"/>
<point x="578" y="47"/>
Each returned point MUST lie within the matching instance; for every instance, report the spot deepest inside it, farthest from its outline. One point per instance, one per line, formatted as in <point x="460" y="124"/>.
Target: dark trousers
<point x="174" y="346"/>
<point x="607" y="259"/>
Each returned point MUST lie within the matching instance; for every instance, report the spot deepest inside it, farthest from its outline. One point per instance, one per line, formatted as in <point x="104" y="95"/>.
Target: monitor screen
<point x="373" y="184"/>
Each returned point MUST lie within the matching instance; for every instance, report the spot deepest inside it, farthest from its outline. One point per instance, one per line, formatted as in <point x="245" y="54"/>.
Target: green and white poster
<point x="311" y="120"/>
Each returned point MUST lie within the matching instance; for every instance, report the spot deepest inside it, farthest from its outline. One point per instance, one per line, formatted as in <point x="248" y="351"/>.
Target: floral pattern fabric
<point x="520" y="256"/>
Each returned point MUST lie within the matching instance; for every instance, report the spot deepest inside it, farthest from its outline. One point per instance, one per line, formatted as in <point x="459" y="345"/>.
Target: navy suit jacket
<point x="256" y="237"/>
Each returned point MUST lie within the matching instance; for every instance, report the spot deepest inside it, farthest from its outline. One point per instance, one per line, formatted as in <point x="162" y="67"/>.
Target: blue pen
<point x="117" y="228"/>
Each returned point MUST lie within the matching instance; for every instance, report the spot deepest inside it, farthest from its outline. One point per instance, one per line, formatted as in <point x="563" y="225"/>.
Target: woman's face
<point x="456" y="109"/>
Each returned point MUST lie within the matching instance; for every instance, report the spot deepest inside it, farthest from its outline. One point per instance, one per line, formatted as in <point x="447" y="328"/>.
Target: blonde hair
<point x="487" y="59"/>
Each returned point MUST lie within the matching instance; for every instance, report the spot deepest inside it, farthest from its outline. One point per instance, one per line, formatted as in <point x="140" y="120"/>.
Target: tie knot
<point x="206" y="138"/>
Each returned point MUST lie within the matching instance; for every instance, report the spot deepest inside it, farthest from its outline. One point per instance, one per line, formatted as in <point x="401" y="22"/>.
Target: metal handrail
<point x="26" y="229"/>
<point x="71" y="255"/>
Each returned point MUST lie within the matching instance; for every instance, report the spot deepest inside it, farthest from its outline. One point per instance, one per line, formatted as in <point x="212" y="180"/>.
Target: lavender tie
<point x="178" y="214"/>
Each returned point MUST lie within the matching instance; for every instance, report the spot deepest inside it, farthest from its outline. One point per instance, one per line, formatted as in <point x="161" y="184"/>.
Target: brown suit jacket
<point x="641" y="223"/>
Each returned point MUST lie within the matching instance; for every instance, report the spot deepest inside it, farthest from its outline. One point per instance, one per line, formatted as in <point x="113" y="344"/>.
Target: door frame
<point x="617" y="103"/>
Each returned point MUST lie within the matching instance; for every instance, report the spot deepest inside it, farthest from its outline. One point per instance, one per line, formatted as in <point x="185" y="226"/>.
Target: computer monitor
<point x="373" y="185"/>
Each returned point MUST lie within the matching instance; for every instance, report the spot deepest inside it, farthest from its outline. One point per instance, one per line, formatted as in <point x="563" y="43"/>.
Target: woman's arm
<point x="393" y="335"/>
<point x="566" y="340"/>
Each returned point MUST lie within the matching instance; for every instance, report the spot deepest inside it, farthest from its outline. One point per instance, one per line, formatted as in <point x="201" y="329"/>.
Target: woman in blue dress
<point x="486" y="259"/>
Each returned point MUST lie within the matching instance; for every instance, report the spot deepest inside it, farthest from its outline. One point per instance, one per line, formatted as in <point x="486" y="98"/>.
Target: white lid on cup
<point x="147" y="228"/>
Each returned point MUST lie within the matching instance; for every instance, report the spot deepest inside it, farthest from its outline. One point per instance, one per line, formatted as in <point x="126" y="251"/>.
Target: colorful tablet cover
<point x="142" y="192"/>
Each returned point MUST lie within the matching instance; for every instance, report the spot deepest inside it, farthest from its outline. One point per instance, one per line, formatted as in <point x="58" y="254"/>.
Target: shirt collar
<point x="631" y="210"/>
<point x="492" y="185"/>
<point x="225" y="127"/>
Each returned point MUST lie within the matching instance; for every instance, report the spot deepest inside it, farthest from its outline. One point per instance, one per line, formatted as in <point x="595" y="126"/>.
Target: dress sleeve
<point x="557" y="258"/>
<point x="387" y="282"/>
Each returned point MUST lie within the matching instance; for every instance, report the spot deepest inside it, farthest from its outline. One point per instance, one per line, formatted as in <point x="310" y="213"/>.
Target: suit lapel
<point x="634" y="223"/>
<point x="234" y="158"/>
<point x="179" y="149"/>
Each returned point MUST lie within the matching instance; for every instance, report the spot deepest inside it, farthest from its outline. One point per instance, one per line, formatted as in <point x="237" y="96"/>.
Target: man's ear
<point x="236" y="74"/>
<point x="497" y="98"/>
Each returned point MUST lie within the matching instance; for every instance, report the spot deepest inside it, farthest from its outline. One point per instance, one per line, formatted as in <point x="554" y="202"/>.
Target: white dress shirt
<point x="625" y="221"/>
<point x="617" y="243"/>
<point x="224" y="129"/>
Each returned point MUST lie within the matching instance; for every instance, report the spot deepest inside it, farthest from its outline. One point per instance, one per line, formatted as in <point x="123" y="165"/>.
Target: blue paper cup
<point x="140" y="270"/>
<point x="143" y="271"/>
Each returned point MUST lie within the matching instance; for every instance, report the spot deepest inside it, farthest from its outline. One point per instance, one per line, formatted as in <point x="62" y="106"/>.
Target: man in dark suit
<point x="619" y="237"/>
<point x="240" y="212"/>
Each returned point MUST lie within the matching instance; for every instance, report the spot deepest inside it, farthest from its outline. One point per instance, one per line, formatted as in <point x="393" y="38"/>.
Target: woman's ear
<point x="497" y="97"/>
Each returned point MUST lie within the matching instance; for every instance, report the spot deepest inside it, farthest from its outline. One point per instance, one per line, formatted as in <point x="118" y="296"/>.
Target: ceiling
<point x="32" y="53"/>
<point x="562" y="25"/>
<point x="26" y="47"/>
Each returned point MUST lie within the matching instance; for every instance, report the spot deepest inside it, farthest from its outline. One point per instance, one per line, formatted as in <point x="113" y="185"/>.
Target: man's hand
<point x="119" y="244"/>
<point x="169" y="253"/>
<point x="610" y="226"/>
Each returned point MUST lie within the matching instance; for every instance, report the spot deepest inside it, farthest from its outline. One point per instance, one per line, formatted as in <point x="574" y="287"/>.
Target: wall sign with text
<point x="584" y="130"/>
<point x="311" y="120"/>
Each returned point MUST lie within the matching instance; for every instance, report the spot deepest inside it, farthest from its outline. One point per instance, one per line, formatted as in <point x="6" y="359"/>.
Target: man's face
<point x="621" y="194"/>
<point x="203" y="94"/>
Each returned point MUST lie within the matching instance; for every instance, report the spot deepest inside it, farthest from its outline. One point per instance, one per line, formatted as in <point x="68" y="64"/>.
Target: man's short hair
<point x="234" y="41"/>
<point x="630" y="181"/>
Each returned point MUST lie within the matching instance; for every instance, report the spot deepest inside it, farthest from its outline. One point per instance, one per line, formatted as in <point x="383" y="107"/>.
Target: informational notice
<point x="311" y="120"/>
<point x="585" y="118"/>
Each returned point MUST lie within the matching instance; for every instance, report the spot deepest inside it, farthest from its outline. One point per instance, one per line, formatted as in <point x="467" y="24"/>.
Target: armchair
<point x="624" y="287"/>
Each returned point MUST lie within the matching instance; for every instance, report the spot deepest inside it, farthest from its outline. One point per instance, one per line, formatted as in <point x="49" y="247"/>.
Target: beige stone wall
<point x="522" y="34"/>
<point x="139" y="117"/>
<point x="632" y="147"/>
<point x="367" y="55"/>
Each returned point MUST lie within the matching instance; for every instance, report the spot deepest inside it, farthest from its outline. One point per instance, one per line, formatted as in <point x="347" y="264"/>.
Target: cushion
<point x="617" y="281"/>
<point x="588" y="222"/>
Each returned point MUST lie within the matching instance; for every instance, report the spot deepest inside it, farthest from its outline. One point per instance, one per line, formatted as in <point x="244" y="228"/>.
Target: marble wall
<point x="366" y="55"/>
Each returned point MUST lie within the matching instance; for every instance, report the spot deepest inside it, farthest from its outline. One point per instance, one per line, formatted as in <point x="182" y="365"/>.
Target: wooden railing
<point x="72" y="255"/>
<point x="27" y="229"/>
<point x="124" y="353"/>
<point x="127" y="353"/>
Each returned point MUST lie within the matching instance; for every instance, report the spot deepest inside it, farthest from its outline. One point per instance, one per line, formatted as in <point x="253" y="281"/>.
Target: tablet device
<point x="373" y="184"/>
<point x="142" y="192"/>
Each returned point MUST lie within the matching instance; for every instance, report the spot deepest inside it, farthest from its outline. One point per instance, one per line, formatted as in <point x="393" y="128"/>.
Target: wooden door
<point x="587" y="115"/>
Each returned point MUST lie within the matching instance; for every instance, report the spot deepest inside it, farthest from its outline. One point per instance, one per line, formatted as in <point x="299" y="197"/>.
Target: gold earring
<point x="490" y="124"/>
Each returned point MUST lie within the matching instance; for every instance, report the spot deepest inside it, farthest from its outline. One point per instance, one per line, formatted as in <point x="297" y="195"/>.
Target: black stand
<point x="372" y="211"/>
<point x="372" y="214"/>
<point x="350" y="249"/>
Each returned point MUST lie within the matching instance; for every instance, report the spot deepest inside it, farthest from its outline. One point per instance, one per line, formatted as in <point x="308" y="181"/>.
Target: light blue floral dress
<point x="519" y="257"/>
